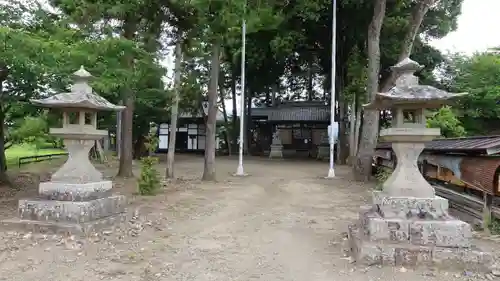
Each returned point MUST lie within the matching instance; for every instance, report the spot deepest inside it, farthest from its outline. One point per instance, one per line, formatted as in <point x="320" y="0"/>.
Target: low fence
<point x="39" y="158"/>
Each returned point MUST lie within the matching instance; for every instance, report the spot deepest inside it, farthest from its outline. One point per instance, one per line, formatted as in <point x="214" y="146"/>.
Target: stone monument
<point x="276" y="146"/>
<point x="77" y="199"/>
<point x="408" y="225"/>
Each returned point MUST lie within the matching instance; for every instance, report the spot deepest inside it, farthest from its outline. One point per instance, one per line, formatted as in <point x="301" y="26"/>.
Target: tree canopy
<point x="288" y="56"/>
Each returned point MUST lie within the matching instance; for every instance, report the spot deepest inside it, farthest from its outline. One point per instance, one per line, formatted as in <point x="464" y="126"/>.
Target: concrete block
<point x="447" y="233"/>
<point x="412" y="256"/>
<point x="376" y="228"/>
<point x="462" y="258"/>
<point x="74" y="191"/>
<point x="71" y="211"/>
<point x="410" y="207"/>
<point x="80" y="229"/>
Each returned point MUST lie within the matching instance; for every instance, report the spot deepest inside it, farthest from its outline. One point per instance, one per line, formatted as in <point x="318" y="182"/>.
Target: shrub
<point x="149" y="181"/>
<point x="382" y="175"/>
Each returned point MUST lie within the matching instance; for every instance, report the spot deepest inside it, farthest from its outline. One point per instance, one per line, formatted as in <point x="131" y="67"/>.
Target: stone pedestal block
<point x="71" y="212"/>
<point x="403" y="254"/>
<point x="376" y="228"/>
<point x="74" y="192"/>
<point x="444" y="233"/>
<point x="323" y="152"/>
<point x="75" y="217"/>
<point x="276" y="151"/>
<point x="64" y="228"/>
<point x="448" y="233"/>
<point x="405" y="207"/>
<point x="412" y="232"/>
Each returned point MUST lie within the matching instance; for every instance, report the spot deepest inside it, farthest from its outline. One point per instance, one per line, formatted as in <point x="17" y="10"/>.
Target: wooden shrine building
<point x="190" y="134"/>
<point x="301" y="126"/>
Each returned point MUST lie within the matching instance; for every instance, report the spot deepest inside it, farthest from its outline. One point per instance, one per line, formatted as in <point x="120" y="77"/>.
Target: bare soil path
<point x="283" y="222"/>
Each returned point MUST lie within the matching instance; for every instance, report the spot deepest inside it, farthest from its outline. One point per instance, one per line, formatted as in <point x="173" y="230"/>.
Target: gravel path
<point x="283" y="222"/>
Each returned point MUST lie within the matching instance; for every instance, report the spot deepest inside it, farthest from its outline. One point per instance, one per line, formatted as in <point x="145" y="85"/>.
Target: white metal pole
<point x="240" y="171"/>
<point x="331" y="171"/>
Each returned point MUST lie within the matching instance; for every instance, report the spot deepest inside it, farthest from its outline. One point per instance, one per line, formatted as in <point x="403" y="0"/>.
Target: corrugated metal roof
<point x="295" y="111"/>
<point x="487" y="145"/>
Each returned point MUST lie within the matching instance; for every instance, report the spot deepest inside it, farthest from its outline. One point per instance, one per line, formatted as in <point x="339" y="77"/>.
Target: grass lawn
<point x="25" y="150"/>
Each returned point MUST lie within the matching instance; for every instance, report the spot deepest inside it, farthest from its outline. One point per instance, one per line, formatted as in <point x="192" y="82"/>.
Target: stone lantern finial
<point x="81" y="77"/>
<point x="405" y="71"/>
<point x="82" y="74"/>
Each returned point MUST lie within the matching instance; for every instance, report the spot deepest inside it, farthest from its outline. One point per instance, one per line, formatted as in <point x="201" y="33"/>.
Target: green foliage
<point x="41" y="50"/>
<point x="149" y="180"/>
<point x="381" y="176"/>
<point x="494" y="226"/>
<point x="478" y="75"/>
<point x="32" y="130"/>
<point x="152" y="140"/>
<point x="446" y="120"/>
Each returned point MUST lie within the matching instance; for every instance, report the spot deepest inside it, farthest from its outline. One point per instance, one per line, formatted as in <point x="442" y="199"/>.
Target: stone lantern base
<point x="323" y="151"/>
<point x="409" y="231"/>
<point x="276" y="151"/>
<point x="70" y="209"/>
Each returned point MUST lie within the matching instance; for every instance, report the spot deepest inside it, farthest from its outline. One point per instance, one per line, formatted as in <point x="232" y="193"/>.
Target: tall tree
<point x="210" y="143"/>
<point x="369" y="134"/>
<point x="174" y="115"/>
<point x="133" y="21"/>
<point x="370" y="123"/>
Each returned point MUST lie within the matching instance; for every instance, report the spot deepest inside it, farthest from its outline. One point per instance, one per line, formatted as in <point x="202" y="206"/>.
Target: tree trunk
<point x="416" y="18"/>
<point x="343" y="144"/>
<point x="210" y="145"/>
<point x="343" y="141"/>
<point x="224" y="114"/>
<point x="352" y="131"/>
<point x="127" y="149"/>
<point x="174" y="113"/>
<point x="357" y="131"/>
<point x="235" y="131"/>
<point x="362" y="167"/>
<point x="4" y="179"/>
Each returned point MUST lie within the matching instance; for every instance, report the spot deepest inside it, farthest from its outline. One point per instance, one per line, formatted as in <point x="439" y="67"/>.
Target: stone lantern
<point x="276" y="146"/>
<point x="408" y="102"/>
<point x="76" y="199"/>
<point x="407" y="223"/>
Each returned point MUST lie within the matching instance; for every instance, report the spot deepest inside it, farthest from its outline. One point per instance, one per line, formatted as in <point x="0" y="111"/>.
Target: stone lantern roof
<point x="81" y="96"/>
<point x="408" y="93"/>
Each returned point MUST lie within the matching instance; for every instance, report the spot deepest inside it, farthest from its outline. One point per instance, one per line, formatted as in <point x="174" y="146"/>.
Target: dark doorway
<point x="181" y="141"/>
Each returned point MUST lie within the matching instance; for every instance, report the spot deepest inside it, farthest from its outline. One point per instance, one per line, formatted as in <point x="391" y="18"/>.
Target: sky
<point x="477" y="28"/>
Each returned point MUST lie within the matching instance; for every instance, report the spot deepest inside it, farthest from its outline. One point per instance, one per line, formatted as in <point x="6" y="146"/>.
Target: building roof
<point x="483" y="145"/>
<point x="294" y="111"/>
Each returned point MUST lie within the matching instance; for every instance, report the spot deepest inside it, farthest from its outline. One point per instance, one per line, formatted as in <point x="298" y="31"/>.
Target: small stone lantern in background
<point x="77" y="199"/>
<point x="276" y="146"/>
<point x="408" y="224"/>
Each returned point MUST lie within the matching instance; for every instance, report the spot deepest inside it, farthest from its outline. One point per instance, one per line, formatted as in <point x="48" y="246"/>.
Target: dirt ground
<point x="282" y="222"/>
